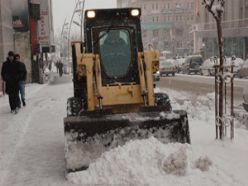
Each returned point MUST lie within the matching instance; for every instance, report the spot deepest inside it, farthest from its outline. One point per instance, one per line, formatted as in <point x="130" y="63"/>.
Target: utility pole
<point x="82" y="17"/>
<point x="62" y="35"/>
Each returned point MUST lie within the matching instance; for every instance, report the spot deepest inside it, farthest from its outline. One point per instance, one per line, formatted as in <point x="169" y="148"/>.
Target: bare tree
<point x="216" y="8"/>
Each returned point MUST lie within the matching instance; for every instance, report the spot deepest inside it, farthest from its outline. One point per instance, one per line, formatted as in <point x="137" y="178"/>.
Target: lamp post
<point x="62" y="35"/>
<point x="79" y="7"/>
<point x="81" y="19"/>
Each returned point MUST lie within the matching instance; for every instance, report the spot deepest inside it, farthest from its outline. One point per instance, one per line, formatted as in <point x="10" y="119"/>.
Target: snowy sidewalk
<point x="32" y="142"/>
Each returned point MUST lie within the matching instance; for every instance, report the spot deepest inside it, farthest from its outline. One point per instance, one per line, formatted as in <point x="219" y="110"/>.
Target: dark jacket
<point x="10" y="74"/>
<point x="22" y="71"/>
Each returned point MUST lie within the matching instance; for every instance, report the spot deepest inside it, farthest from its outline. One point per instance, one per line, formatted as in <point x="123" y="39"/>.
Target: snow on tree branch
<point x="215" y="7"/>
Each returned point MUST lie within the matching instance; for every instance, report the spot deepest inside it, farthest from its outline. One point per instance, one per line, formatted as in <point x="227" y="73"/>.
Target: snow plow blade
<point x="87" y="137"/>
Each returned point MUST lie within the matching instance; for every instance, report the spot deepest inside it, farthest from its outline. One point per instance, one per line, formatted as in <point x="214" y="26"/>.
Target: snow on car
<point x="243" y="70"/>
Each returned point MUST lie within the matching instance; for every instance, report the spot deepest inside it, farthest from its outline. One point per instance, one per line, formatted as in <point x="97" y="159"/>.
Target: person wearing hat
<point x="10" y="75"/>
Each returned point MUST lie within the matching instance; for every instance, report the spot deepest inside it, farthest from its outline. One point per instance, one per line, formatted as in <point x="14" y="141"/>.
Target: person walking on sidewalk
<point x="22" y="78"/>
<point x="10" y="75"/>
<point x="60" y="66"/>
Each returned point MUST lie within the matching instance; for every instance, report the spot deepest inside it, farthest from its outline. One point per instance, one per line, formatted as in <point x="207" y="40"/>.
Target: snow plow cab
<point x="114" y="99"/>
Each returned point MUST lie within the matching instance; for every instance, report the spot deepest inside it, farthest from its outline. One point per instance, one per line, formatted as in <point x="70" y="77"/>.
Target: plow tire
<point x="74" y="106"/>
<point x="162" y="99"/>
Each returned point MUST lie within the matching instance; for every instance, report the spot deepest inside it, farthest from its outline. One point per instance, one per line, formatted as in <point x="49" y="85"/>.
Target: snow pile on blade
<point x="150" y="162"/>
<point x="87" y="138"/>
<point x="80" y="154"/>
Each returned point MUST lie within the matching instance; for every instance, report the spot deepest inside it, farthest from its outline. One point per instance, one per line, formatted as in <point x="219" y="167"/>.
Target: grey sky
<point x="62" y="9"/>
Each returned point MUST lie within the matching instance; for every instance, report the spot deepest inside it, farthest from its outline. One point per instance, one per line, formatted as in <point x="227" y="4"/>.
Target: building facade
<point x="45" y="27"/>
<point x="166" y="23"/>
<point x="6" y="29"/>
<point x="6" y="33"/>
<point x="235" y="30"/>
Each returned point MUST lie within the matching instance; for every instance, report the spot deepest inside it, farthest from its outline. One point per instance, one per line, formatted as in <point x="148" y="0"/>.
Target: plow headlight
<point x="135" y="12"/>
<point x="91" y="14"/>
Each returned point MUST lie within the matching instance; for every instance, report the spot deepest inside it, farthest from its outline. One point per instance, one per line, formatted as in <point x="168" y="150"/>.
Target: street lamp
<point x="79" y="7"/>
<point x="62" y="36"/>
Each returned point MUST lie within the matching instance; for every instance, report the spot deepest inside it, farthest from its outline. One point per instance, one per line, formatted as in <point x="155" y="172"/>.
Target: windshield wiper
<point x="108" y="30"/>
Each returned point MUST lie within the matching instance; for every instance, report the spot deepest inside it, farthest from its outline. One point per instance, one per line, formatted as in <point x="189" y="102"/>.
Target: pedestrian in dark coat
<point x="10" y="75"/>
<point x="22" y="78"/>
<point x="60" y="65"/>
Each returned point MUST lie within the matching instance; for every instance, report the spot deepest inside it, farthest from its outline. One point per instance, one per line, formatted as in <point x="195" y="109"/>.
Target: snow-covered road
<point x="32" y="147"/>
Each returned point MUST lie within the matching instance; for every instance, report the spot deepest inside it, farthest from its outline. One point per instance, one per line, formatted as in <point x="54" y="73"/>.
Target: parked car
<point x="156" y="76"/>
<point x="243" y="70"/>
<point x="179" y="62"/>
<point x="192" y="64"/>
<point x="167" y="67"/>
<point x="207" y="67"/>
<point x="237" y="62"/>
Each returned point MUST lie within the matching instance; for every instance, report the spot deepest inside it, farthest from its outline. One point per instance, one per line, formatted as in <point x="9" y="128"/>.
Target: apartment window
<point x="179" y="44"/>
<point x="156" y="6"/>
<point x="241" y="13"/>
<point x="153" y="6"/>
<point x="157" y="19"/>
<point x="155" y="33"/>
<point x="246" y="11"/>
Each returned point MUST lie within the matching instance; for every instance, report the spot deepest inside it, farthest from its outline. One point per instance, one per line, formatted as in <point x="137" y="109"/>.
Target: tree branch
<point x="215" y="7"/>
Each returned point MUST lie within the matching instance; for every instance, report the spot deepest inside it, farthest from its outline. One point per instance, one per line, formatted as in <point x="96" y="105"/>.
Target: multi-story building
<point x="166" y="23"/>
<point x="235" y="30"/>
<point x="6" y="32"/>
<point x="6" y="29"/>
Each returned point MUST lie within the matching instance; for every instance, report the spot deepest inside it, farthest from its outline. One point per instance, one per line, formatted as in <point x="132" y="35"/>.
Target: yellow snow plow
<point x="114" y="99"/>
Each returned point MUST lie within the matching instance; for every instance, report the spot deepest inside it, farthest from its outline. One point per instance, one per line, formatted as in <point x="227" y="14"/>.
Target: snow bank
<point x="141" y="162"/>
<point x="149" y="162"/>
<point x="202" y="107"/>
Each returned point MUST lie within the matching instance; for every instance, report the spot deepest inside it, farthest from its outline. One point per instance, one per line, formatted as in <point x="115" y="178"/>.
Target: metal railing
<point x="225" y="120"/>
